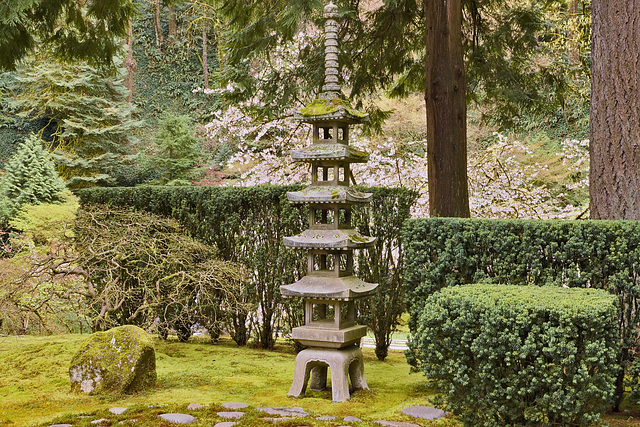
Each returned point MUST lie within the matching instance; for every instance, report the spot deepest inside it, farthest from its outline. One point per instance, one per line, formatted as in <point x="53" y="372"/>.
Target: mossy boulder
<point x="120" y="360"/>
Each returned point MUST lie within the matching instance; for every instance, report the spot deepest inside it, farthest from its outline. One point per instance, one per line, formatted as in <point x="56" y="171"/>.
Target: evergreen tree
<point x="30" y="178"/>
<point x="87" y="113"/>
<point x="177" y="149"/>
<point x="85" y="30"/>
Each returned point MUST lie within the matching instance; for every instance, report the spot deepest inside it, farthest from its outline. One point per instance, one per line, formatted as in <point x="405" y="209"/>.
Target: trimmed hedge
<point x="441" y="252"/>
<point x="247" y="225"/>
<point x="508" y="355"/>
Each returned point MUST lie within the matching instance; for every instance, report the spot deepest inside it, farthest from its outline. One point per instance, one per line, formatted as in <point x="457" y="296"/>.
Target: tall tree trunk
<point x="130" y="63"/>
<point x="205" y="67"/>
<point x="446" y="103"/>
<point x="614" y="179"/>
<point x="157" y="24"/>
<point x="173" y="23"/>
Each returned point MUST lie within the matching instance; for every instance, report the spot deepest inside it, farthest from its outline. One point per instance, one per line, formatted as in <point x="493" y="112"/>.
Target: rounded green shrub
<point x="505" y="355"/>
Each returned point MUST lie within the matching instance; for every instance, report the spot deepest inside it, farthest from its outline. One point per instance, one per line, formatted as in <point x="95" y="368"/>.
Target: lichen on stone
<point x="120" y="360"/>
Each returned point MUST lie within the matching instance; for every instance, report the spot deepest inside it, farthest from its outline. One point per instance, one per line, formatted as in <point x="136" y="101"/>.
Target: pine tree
<point x="79" y="30"/>
<point x="30" y="178"/>
<point x="87" y="110"/>
<point x="177" y="149"/>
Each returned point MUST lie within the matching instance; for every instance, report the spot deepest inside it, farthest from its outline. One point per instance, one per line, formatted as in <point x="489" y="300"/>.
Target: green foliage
<point x="165" y="80"/>
<point x="247" y="226"/>
<point x="177" y="149"/>
<point x="143" y="269"/>
<point x="384" y="262"/>
<point x="507" y="355"/>
<point x="31" y="302"/>
<point x="88" y="30"/>
<point x="87" y="112"/>
<point x="30" y="178"/>
<point x="587" y="254"/>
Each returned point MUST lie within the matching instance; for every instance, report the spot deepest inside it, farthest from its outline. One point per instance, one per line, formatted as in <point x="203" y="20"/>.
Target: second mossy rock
<point x="120" y="360"/>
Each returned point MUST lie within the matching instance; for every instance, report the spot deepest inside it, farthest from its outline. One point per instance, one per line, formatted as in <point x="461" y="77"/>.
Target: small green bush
<point x="506" y="355"/>
<point x="441" y="252"/>
<point x="30" y="178"/>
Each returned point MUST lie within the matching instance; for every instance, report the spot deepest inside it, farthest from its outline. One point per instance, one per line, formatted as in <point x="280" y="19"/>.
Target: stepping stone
<point x="396" y="424"/>
<point x="351" y="419"/>
<point x="234" y="405"/>
<point x="326" y="418"/>
<point x="194" y="407"/>
<point x="234" y="415"/>
<point x="225" y="424"/>
<point x="426" y="412"/>
<point x="100" y="421"/>
<point x="295" y="411"/>
<point x="178" y="418"/>
<point x="117" y="411"/>
<point x="61" y="425"/>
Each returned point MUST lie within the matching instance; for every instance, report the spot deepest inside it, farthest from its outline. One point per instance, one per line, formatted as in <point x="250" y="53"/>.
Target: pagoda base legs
<point x="343" y="363"/>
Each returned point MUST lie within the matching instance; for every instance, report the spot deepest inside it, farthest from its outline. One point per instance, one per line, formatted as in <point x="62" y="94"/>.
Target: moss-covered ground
<point x="35" y="390"/>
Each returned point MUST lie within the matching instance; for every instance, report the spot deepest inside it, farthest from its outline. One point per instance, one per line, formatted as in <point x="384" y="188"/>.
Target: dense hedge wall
<point x="247" y="225"/>
<point x="506" y="355"/>
<point x="441" y="252"/>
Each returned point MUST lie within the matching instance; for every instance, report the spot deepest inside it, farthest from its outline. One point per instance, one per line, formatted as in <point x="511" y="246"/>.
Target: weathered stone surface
<point x="100" y="421"/>
<point x="120" y="360"/>
<point x="426" y="412"/>
<point x="277" y="420"/>
<point x="194" y="407"/>
<point x="178" y="418"/>
<point x="325" y="418"/>
<point x="294" y="411"/>
<point x="117" y="411"/>
<point x="226" y="424"/>
<point x="351" y="419"/>
<point x="234" y="405"/>
<point x="61" y="425"/>
<point x="395" y="424"/>
<point x="232" y="415"/>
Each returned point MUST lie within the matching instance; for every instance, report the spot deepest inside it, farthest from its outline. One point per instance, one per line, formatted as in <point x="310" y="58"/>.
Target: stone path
<point x="277" y="414"/>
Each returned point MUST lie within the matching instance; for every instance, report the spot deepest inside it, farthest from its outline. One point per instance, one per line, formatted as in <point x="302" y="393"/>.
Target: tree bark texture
<point x="615" y="110"/>
<point x="173" y="23"/>
<point x="205" y="65"/>
<point x="130" y="63"/>
<point x="446" y="104"/>
<point x="157" y="24"/>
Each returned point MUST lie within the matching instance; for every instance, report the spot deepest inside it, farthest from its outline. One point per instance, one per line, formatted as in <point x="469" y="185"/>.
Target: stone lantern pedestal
<point x="329" y="289"/>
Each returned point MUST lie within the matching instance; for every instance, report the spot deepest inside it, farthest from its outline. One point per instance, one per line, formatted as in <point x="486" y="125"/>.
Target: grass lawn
<point x="34" y="384"/>
<point x="34" y="387"/>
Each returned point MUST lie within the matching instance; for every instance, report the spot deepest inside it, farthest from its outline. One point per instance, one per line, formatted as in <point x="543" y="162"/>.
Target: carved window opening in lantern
<point x="331" y="133"/>
<point x="330" y="263"/>
<point x="327" y="314"/>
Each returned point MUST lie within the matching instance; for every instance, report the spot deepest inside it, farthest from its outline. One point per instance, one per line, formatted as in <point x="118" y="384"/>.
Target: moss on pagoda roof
<point x="326" y="107"/>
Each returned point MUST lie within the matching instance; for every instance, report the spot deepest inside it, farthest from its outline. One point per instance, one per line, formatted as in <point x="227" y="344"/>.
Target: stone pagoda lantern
<point x="329" y="289"/>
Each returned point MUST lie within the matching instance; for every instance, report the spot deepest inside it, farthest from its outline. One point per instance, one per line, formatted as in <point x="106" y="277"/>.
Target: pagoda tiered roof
<point x="330" y="107"/>
<point x="322" y="287"/>
<point x="329" y="151"/>
<point x="336" y="239"/>
<point x="337" y="194"/>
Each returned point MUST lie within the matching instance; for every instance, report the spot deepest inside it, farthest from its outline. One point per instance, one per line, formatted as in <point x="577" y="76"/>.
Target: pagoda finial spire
<point x="331" y="50"/>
